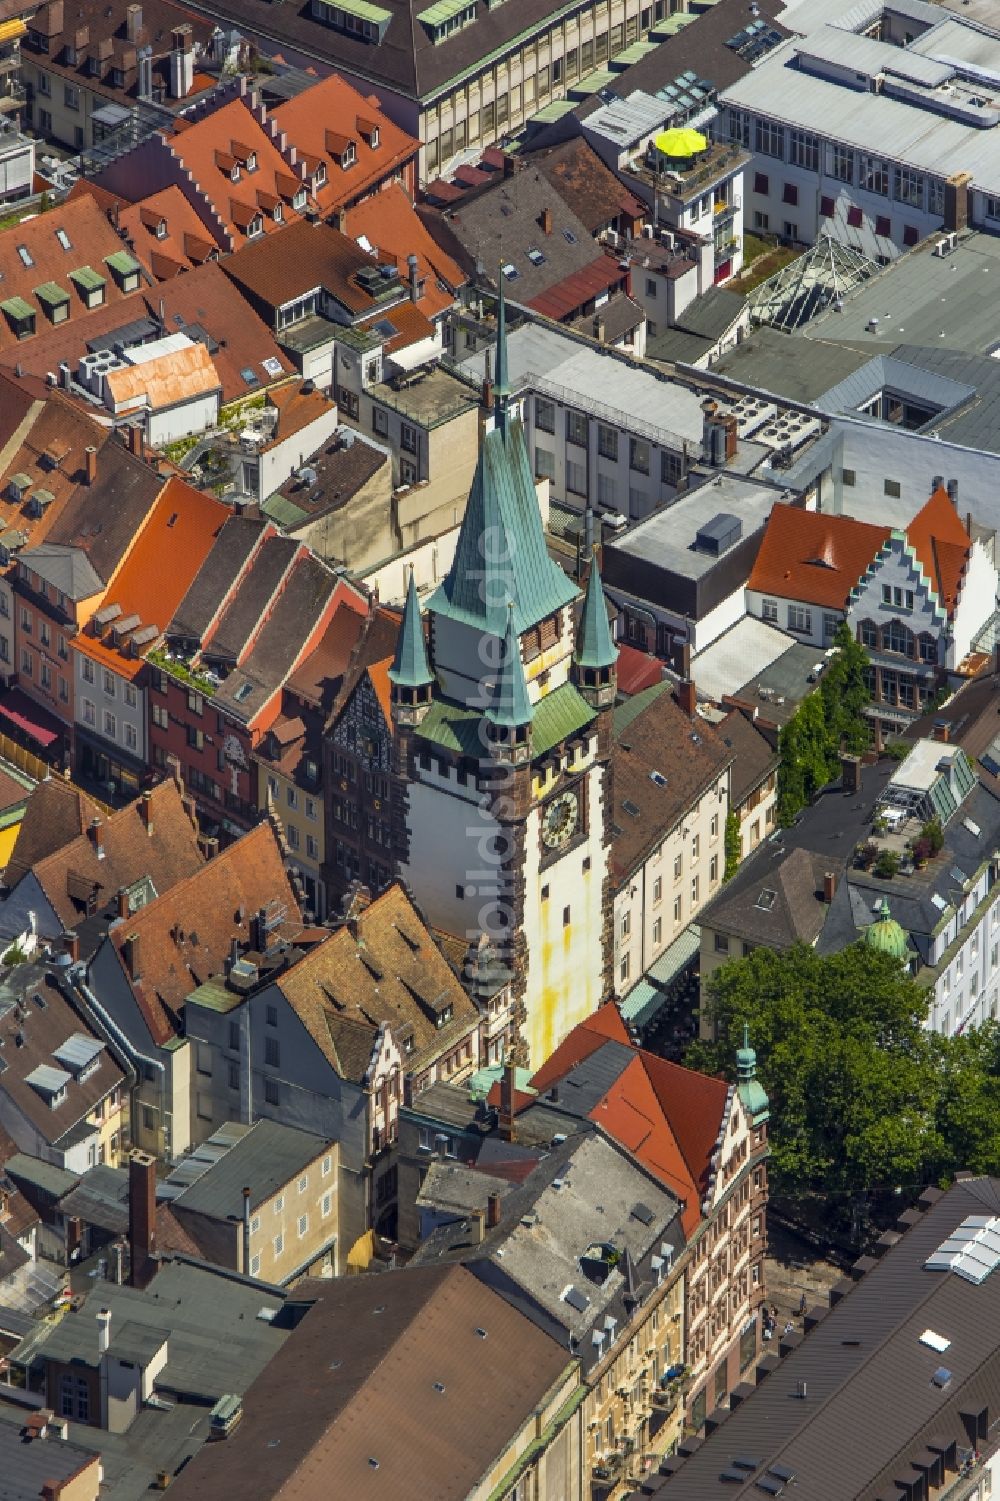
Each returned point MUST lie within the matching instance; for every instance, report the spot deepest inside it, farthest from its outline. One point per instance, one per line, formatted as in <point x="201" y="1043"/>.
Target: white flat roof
<point x="902" y="132"/>
<point x="745" y="651"/>
<point x="920" y="769"/>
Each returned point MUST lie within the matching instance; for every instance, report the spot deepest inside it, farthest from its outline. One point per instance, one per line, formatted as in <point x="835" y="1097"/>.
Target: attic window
<point x="64" y="239"/>
<point x="27" y="259"/>
<point x="658" y="778"/>
<point x="569" y="237"/>
<point x="347" y="159"/>
<point x="510" y="271"/>
<point x="766" y="900"/>
<point x="249" y="376"/>
<point x="535" y="256"/>
<point x="631" y="808"/>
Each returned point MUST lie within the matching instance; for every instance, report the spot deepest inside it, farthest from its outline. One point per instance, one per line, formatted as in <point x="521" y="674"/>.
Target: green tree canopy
<point x="862" y="1096"/>
<point x="829" y="721"/>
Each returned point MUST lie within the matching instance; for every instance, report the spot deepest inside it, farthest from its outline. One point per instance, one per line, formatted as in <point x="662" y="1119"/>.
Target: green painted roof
<point x="364" y="11"/>
<point x="634" y="706"/>
<point x="554" y="111"/>
<point x="88" y="278"/>
<point x="509" y="704"/>
<point x="442" y="11"/>
<point x="52" y="294"/>
<point x="592" y="84"/>
<point x="122" y="262"/>
<point x="16" y="307"/>
<point x="886" y="936"/>
<point x="460" y="730"/>
<point x="284" y="511"/>
<point x="501" y="555"/>
<point x="409" y="668"/>
<point x="594" y="646"/>
<point x="481" y="1082"/>
<point x="633" y="54"/>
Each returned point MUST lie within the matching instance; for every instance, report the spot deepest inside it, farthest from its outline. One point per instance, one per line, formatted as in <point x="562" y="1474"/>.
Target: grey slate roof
<point x="67" y="569"/>
<point x="903" y="377"/>
<point x="263" y="1160"/>
<point x="800" y="369"/>
<point x="230" y="551"/>
<point x="100" y="1198"/>
<point x="977" y="424"/>
<point x="217" y="1344"/>
<point x="27" y="1464"/>
<point x="871" y="1406"/>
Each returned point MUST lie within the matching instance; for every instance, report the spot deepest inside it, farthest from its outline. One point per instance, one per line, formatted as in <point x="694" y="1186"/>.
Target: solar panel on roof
<point x="743" y="1462"/>
<point x="771" y="1486"/>
<point x="732" y="1477"/>
<point x="783" y="1471"/>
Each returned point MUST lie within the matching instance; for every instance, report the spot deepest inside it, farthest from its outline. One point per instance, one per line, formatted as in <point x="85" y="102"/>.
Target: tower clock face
<point x="560" y="818"/>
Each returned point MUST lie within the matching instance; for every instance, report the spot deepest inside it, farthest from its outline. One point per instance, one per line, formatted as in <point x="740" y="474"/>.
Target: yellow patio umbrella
<point x="680" y="141"/>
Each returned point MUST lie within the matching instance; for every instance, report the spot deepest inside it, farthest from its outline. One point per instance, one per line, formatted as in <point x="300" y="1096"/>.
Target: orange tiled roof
<point x="667" y="1116"/>
<point x="391" y="225"/>
<point x="814" y="557"/>
<point x="165" y="381"/>
<point x="307" y="119"/>
<point x="160" y="567"/>
<point x="209" y="148"/>
<point x="941" y="543"/>
<point x="296" y="408"/>
<point x="183" y="230"/>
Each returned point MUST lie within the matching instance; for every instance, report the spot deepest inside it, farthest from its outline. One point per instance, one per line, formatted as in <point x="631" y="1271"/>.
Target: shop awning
<point x="645" y="999"/>
<point x="17" y="709"/>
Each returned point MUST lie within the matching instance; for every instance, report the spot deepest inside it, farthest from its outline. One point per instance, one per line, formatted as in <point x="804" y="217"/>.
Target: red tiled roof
<point x="208" y="147"/>
<point x="569" y="295"/>
<point x="392" y="227"/>
<point x="941" y="543"/>
<point x="636" y="669"/>
<point x="183" y="228"/>
<point x="667" y="1116"/>
<point x="186" y="933"/>
<point x="305" y="120"/>
<point x="814" y="557"/>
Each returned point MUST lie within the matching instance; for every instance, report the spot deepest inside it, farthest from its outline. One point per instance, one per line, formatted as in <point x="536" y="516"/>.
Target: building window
<point x="713" y="870"/>
<point x="607" y="442"/>
<point x="658" y="932"/>
<point x="408" y="438"/>
<point x="110" y="725"/>
<point x="577" y="428"/>
<point x="799" y="619"/>
<point x="638" y="455"/>
<point x="761" y="184"/>
<point x="272" y="1093"/>
<point x="769" y="139"/>
<point x="545" y="463"/>
<point x="326" y="1204"/>
<point x="873" y="174"/>
<point x="803" y="150"/>
<point x="892" y="488"/>
<point x="576" y="477"/>
<point x="272" y="1052"/>
<point x="840" y="162"/>
<point x="89" y="712"/>
<point x="131" y="737"/>
<point x="848" y="477"/>
<point x="303" y="1225"/>
<point x="671" y="467"/>
<point x="623" y="969"/>
<point x="279" y="1243"/>
<point x="271" y="1016"/>
<point x="545" y="415"/>
<point x="790" y="194"/>
<point x="677" y="909"/>
<point x="657" y="890"/>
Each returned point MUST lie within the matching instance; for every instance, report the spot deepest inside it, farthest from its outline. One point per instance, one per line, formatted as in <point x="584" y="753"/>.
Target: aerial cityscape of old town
<point x="499" y="750"/>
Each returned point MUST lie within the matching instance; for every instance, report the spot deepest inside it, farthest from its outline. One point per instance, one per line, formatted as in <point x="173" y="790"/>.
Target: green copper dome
<point x="886" y="936"/>
<point x="751" y="1092"/>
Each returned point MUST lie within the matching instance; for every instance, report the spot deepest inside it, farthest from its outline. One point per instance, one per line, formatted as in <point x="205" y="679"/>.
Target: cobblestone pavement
<point x="792" y="1268"/>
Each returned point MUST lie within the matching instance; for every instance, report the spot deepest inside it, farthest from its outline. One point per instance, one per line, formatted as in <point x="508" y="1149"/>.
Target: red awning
<point x="19" y="710"/>
<point x="567" y="297"/>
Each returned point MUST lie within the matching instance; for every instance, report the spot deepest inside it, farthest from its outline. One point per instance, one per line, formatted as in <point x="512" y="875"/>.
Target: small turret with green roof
<point x="750" y="1090"/>
<point x="886" y="936"/>
<point x="410" y="674"/>
<point x="509" y="712"/>
<point x="596" y="654"/>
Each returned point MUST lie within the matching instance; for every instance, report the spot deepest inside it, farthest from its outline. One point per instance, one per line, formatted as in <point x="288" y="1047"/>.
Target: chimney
<point x="829" y="886"/>
<point x="477" y="1227"/>
<point x="953" y="492"/>
<point x="942" y="731"/>
<point x="124" y="906"/>
<point x="546" y="221"/>
<point x="493" y="1211"/>
<point x="850" y="768"/>
<point x="146" y="811"/>
<point x="55" y="12"/>
<point x="509" y="166"/>
<point x="96" y="833"/>
<point x="599" y="330"/>
<point x="245" y="1268"/>
<point x="103" y="1330"/>
<point x="687" y="696"/>
<point x="508" y="1087"/>
<point x="71" y="945"/>
<point x="956" y="201"/>
<point x="340" y="221"/>
<point x="937" y="483"/>
<point x="135" y="441"/>
<point x="133" y="22"/>
<point x="181" y="61"/>
<point x="130" y="953"/>
<point x="141" y="1218"/>
<point x="90" y="460"/>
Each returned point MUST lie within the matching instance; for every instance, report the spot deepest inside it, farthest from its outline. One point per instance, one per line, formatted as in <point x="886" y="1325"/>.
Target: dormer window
<point x="320" y="178"/>
<point x="373" y="138"/>
<point x="348" y="157"/>
<point x="278" y="213"/>
<point x="255" y="227"/>
<point x="299" y="200"/>
<point x="161" y="229"/>
<point x="94" y="65"/>
<point x="234" y="175"/>
<point x="251" y="162"/>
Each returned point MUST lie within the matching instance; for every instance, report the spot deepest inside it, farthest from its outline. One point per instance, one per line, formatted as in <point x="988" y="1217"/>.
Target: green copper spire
<point x="409" y="668"/>
<point x="594" y="646"/>
<point x="501" y="384"/>
<point x="510" y="705"/>
<point x="886" y="936"/>
<point x="749" y="1089"/>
